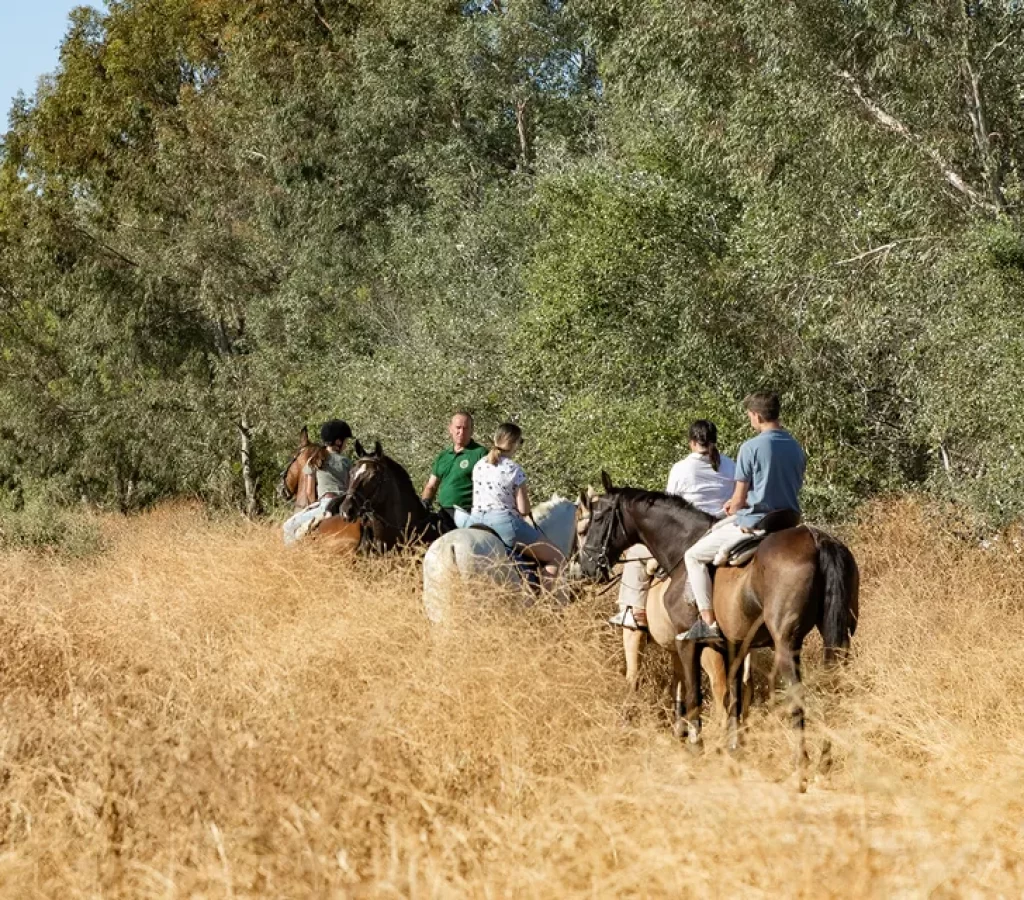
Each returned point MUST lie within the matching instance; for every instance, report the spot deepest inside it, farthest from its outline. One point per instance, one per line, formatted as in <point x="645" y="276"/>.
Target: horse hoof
<point x="678" y="727"/>
<point x="696" y="747"/>
<point x="735" y="750"/>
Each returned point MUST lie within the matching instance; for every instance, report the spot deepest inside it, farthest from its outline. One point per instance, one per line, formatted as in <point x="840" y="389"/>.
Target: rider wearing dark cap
<point x="326" y="476"/>
<point x="330" y="466"/>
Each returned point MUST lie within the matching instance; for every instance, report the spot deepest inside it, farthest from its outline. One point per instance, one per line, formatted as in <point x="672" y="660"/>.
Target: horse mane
<point x="399" y="471"/>
<point x="649" y="498"/>
<point x="318" y="457"/>
<point x="394" y="466"/>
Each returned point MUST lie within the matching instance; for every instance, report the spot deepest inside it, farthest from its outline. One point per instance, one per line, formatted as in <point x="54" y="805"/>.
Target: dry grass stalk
<point x="201" y="712"/>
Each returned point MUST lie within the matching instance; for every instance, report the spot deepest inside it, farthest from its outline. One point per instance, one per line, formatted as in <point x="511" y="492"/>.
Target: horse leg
<point x="713" y="662"/>
<point x="787" y="662"/>
<point x="632" y="645"/>
<point x="736" y="673"/>
<point x="689" y="656"/>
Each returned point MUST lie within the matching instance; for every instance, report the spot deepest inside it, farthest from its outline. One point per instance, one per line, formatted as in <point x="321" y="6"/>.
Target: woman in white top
<point x="706" y="479"/>
<point x="502" y="503"/>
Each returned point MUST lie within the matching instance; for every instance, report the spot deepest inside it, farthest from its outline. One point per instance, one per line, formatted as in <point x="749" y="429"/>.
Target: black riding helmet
<point x="335" y="430"/>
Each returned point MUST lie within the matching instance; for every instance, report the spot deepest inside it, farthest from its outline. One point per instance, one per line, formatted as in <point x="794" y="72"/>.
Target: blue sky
<point x="30" y="32"/>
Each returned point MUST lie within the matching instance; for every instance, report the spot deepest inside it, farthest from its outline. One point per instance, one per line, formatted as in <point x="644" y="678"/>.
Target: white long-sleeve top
<point x="695" y="480"/>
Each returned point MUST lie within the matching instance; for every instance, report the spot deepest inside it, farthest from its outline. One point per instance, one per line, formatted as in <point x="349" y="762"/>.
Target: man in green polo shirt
<point x="451" y="478"/>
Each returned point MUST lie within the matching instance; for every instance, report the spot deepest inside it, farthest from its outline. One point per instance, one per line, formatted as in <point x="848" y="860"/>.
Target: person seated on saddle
<point x="326" y="477"/>
<point x="769" y="475"/>
<point x="502" y="503"/>
<point x="706" y="479"/>
<point x="451" y="476"/>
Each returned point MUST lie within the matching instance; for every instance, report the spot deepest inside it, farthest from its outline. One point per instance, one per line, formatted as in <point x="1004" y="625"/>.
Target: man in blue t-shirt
<point x="769" y="473"/>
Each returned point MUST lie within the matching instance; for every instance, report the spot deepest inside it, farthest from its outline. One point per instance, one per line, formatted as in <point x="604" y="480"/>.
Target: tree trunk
<point x="252" y="500"/>
<point x="523" y="129"/>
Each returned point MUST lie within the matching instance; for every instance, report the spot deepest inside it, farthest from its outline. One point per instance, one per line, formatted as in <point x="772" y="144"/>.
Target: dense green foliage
<point x="220" y="220"/>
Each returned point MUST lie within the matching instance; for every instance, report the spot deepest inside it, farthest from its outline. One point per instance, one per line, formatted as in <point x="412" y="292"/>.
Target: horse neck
<point x="665" y="529"/>
<point x="404" y="506"/>
<point x="557" y="521"/>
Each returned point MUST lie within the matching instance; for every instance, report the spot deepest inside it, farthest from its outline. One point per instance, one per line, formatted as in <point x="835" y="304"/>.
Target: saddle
<point x="527" y="567"/>
<point x="743" y="550"/>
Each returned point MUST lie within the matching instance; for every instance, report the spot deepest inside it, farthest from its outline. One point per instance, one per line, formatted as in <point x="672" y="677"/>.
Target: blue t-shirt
<point x="772" y="464"/>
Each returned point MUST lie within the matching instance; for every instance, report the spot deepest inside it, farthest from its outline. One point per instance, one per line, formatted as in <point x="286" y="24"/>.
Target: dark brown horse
<point x="382" y="497"/>
<point x="800" y="578"/>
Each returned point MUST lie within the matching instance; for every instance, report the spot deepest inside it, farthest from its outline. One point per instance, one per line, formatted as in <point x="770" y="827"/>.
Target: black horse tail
<point x="841" y="585"/>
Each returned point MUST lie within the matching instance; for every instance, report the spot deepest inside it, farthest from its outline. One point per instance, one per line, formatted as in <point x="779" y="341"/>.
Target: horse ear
<point x="360" y="450"/>
<point x="584" y="501"/>
<point x="591" y="493"/>
<point x="606" y="481"/>
<point x="378" y="450"/>
<point x="304" y="437"/>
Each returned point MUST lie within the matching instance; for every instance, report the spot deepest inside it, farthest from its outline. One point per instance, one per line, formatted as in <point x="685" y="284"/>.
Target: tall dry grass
<point x="199" y="712"/>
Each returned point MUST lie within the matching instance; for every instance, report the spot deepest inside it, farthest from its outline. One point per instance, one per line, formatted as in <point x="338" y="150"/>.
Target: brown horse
<point x="800" y="578"/>
<point x="334" y="532"/>
<point x="291" y="485"/>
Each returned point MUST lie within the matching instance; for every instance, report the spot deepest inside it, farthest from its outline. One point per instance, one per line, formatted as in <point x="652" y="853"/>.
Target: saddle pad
<point x="743" y="551"/>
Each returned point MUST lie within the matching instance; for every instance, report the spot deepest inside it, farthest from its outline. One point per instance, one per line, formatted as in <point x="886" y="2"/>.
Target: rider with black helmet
<point x="327" y="478"/>
<point x="330" y="466"/>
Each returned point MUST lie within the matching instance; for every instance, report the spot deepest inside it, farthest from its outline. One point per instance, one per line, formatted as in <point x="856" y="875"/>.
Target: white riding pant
<point x="722" y="534"/>
<point x="293" y="527"/>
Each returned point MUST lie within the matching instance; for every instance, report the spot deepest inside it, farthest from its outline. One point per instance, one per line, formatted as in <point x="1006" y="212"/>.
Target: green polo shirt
<point x="455" y="470"/>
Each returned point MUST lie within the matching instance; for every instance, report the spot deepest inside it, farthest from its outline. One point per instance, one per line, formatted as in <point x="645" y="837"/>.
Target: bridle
<point x="602" y="560"/>
<point x="365" y="511"/>
<point x="286" y="492"/>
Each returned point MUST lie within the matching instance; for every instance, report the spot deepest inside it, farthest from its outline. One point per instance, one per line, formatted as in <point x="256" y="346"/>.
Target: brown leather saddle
<point x="777" y="520"/>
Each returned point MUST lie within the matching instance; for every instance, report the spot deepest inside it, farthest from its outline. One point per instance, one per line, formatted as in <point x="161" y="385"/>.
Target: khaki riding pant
<point x="635" y="581"/>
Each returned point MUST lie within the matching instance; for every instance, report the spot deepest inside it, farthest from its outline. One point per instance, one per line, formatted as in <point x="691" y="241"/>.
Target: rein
<point x="286" y="492"/>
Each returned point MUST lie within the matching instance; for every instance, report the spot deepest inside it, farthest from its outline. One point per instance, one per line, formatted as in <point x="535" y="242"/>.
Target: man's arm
<point x="430" y="488"/>
<point x="738" y="499"/>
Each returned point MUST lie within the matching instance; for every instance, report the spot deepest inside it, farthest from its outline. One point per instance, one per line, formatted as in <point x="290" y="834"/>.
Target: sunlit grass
<point x="199" y="711"/>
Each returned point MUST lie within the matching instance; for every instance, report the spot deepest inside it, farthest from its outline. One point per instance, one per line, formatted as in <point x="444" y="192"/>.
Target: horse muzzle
<point x="348" y="510"/>
<point x="595" y="568"/>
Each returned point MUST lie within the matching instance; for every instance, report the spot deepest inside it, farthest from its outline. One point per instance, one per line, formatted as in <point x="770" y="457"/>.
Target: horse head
<point x="289" y="485"/>
<point x="375" y="486"/>
<point x="602" y="530"/>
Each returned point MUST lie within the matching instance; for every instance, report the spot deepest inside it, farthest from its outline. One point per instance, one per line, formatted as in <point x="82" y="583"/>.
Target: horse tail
<point x="841" y="585"/>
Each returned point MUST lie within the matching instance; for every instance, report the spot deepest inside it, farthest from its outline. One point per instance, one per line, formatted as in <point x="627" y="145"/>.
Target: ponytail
<point x="318" y="457"/>
<point x="506" y="439"/>
<point x="705" y="435"/>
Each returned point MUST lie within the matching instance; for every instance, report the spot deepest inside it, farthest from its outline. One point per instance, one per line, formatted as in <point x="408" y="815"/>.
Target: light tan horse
<point x="663" y="631"/>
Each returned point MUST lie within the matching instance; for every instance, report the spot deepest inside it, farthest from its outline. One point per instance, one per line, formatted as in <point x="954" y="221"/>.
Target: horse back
<point x="776" y="584"/>
<point x="338" y="535"/>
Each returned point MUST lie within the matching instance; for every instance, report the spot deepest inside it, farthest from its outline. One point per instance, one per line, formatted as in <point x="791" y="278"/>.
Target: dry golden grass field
<point x="198" y="711"/>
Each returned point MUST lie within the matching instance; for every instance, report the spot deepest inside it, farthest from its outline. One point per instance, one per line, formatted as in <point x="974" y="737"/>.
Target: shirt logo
<point x="463" y="463"/>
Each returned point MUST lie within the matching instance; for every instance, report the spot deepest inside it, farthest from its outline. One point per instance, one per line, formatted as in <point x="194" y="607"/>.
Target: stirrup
<point x="626" y="618"/>
<point x="702" y="633"/>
